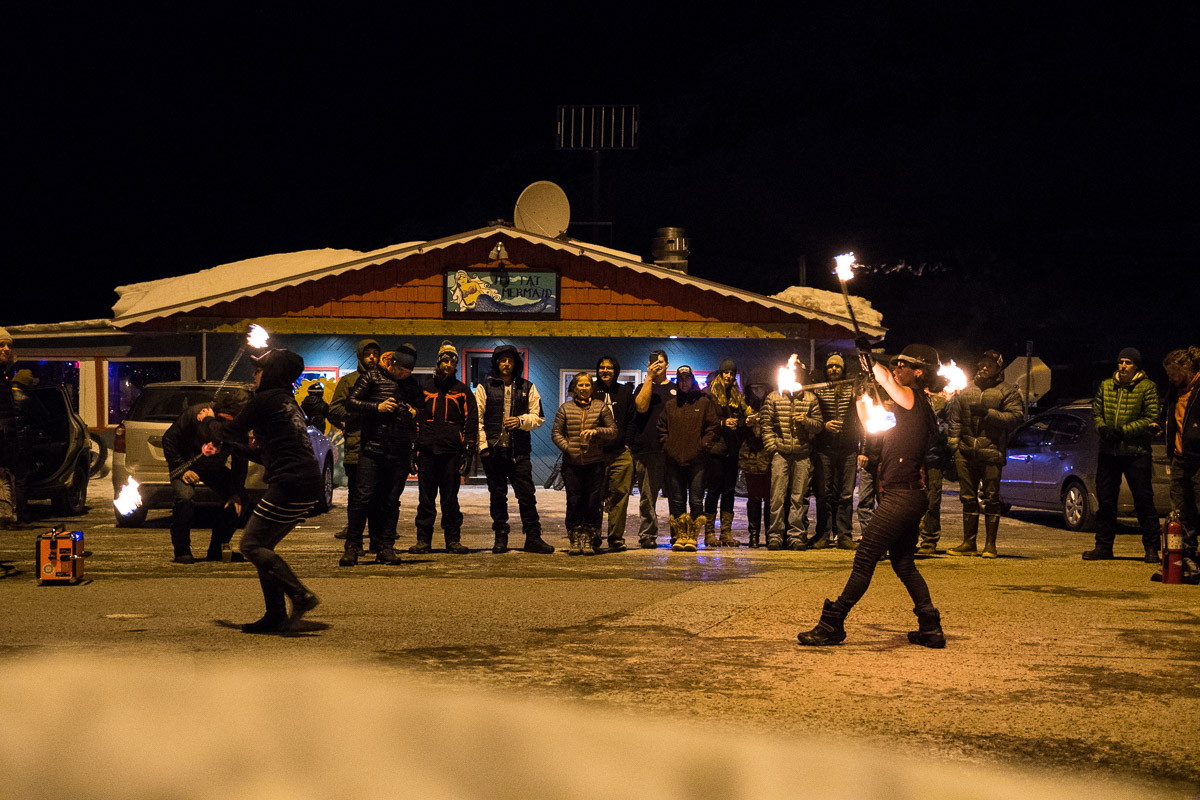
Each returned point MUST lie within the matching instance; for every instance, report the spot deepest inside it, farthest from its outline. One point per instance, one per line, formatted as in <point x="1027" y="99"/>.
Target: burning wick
<point x="258" y="337"/>
<point x="129" y="499"/>
<point x="845" y="266"/>
<point x="785" y="380"/>
<point x="957" y="379"/>
<point x="879" y="419"/>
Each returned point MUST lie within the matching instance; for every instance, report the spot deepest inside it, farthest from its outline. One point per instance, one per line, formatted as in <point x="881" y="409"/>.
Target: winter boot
<point x="587" y="541"/>
<point x="727" y="539"/>
<point x="991" y="526"/>
<point x="576" y="547"/>
<point x="798" y="542"/>
<point x="1152" y="556"/>
<point x="754" y="538"/>
<point x="692" y="532"/>
<point x="387" y="555"/>
<point x="648" y="542"/>
<point x="830" y="630"/>
<point x="818" y="542"/>
<point x="303" y="601"/>
<point x="846" y="542"/>
<point x="349" y="555"/>
<point x="597" y="541"/>
<point x="422" y="546"/>
<point x="272" y="621"/>
<point x="534" y="543"/>
<point x="456" y="547"/>
<point x="929" y="633"/>
<point x="616" y="543"/>
<point x="677" y="533"/>
<point x="970" y="533"/>
<point x="774" y="541"/>
<point x="500" y="545"/>
<point x="709" y="526"/>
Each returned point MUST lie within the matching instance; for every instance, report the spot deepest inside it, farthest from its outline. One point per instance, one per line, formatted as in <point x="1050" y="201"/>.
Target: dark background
<point x="1008" y="174"/>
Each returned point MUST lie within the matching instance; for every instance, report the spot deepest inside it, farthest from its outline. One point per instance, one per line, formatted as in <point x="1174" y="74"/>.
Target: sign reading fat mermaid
<point x="487" y="292"/>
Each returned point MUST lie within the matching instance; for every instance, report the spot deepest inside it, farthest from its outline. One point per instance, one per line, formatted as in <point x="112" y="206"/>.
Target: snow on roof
<point x="140" y="302"/>
<point x="831" y="303"/>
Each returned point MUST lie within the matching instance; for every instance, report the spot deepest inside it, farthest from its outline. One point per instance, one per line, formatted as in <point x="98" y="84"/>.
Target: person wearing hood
<point x="980" y="419"/>
<point x="447" y="434"/>
<point x="1124" y="409"/>
<point x="509" y="408"/>
<point x="687" y="429"/>
<point x="895" y="526"/>
<point x="385" y="399"/>
<point x="293" y="483"/>
<point x="791" y="420"/>
<point x="835" y="453"/>
<point x="341" y="417"/>
<point x="618" y="397"/>
<point x="31" y="416"/>
<point x="721" y="467"/>
<point x="315" y="409"/>
<point x="1183" y="446"/>
<point x="581" y="426"/>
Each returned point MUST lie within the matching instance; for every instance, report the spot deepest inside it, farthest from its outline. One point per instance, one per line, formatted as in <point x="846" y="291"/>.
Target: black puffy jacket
<point x="390" y="433"/>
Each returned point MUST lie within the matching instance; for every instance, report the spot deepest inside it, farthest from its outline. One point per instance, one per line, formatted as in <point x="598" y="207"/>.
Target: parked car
<point x="138" y="453"/>
<point x="61" y="454"/>
<point x="1052" y="466"/>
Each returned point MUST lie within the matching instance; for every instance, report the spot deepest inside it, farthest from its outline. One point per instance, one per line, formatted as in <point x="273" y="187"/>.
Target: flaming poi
<point x="845" y="266"/>
<point x="879" y="419"/>
<point x="785" y="380"/>
<point x="128" y="499"/>
<point x="258" y="338"/>
<point x="955" y="377"/>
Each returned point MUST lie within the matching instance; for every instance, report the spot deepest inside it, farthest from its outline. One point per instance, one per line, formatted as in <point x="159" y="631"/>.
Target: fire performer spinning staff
<point x="293" y="483"/>
<point x="895" y="525"/>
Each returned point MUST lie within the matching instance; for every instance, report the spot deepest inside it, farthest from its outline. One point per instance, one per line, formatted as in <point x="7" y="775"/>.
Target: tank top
<point x="905" y="445"/>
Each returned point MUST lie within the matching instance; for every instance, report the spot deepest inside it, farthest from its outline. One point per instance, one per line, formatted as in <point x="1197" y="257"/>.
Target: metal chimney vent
<point x="670" y="248"/>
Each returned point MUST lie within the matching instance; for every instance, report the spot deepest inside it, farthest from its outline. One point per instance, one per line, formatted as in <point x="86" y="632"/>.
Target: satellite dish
<point x="543" y="208"/>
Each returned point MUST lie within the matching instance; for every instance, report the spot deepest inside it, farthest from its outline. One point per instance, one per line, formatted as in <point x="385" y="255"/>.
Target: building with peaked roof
<point x="563" y="302"/>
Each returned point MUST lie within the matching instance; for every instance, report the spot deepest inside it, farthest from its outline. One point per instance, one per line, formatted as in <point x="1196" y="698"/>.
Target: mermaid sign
<point x="486" y="292"/>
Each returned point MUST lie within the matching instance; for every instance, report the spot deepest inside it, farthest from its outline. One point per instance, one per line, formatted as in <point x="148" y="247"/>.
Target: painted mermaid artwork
<point x="473" y="293"/>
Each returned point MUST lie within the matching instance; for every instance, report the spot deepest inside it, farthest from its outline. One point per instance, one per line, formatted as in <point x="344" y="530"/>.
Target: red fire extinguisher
<point x="1172" y="550"/>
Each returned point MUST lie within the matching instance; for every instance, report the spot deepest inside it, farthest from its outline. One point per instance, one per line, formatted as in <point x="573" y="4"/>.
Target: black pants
<point x="273" y="518"/>
<point x="585" y="484"/>
<point x="183" y="510"/>
<point x="502" y="467"/>
<point x="893" y="529"/>
<point x="720" y="477"/>
<point x="376" y="498"/>
<point x="833" y="484"/>
<point x="1137" y="473"/>
<point x="438" y="473"/>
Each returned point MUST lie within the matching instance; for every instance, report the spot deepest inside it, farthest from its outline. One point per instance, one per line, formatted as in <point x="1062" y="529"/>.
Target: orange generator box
<point x="59" y="557"/>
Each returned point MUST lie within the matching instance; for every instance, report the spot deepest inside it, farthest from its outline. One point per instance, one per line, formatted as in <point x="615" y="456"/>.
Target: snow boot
<point x="831" y="628"/>
<point x="677" y="533"/>
<point x="500" y="543"/>
<point x="970" y="533"/>
<point x="709" y="526"/>
<point x="349" y="555"/>
<point x="727" y="539"/>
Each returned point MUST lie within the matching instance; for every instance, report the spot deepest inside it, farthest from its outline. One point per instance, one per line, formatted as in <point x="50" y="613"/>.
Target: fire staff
<point x="896" y="522"/>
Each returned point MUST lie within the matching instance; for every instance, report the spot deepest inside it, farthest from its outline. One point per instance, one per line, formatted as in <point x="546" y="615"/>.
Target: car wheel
<point x="1077" y="511"/>
<point x="326" y="501"/>
<point x="134" y="520"/>
<point x="97" y="456"/>
<point x="72" y="501"/>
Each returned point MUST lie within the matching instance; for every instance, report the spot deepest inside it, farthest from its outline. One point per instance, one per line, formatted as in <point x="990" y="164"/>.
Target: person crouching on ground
<point x="1183" y="446"/>
<point x="687" y="430"/>
<point x="896" y="523"/>
<point x="581" y="427"/>
<point x="293" y="483"/>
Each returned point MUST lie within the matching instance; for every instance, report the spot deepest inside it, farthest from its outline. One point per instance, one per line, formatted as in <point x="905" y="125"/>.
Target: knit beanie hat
<point x="836" y="360"/>
<point x="5" y="336"/>
<point x="445" y="348"/>
<point x="1133" y="354"/>
<point x="727" y="364"/>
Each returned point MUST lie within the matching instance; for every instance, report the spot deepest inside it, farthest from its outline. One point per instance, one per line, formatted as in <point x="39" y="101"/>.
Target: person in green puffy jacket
<point x="1124" y="409"/>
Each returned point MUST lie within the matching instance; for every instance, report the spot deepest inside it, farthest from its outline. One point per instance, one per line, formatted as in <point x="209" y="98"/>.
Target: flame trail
<point x="845" y="266"/>
<point x="879" y="419"/>
<point x="785" y="379"/>
<point x="957" y="379"/>
<point x="258" y="338"/>
<point x="128" y="499"/>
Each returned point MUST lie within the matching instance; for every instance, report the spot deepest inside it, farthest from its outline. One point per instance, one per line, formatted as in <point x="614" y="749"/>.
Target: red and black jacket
<point x="448" y="422"/>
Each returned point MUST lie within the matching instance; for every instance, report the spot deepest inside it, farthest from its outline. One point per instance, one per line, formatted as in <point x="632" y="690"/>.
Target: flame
<point x="845" y="264"/>
<point x="785" y="380"/>
<point x="258" y="337"/>
<point x="879" y="419"/>
<point x="128" y="499"/>
<point x="956" y="377"/>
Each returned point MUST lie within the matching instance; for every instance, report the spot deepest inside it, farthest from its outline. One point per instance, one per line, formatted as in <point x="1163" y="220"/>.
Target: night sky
<point x="1008" y="173"/>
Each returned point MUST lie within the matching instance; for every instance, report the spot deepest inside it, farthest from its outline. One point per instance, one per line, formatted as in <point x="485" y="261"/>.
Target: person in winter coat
<point x="348" y="422"/>
<point x="835" y="453"/>
<point x="509" y="408"/>
<point x="293" y="483"/>
<point x="9" y="451"/>
<point x="791" y="420"/>
<point x="649" y="399"/>
<point x="619" y="470"/>
<point x="1124" y="409"/>
<point x="937" y="461"/>
<point x="315" y="408"/>
<point x="1183" y="445"/>
<point x="192" y="460"/>
<point x="687" y="430"/>
<point x="721" y="468"/>
<point x="448" y="432"/>
<point x="31" y="415"/>
<point x="581" y="426"/>
<point x="755" y="463"/>
<point x="385" y="399"/>
<point x="980" y="419"/>
<point x="895" y="525"/>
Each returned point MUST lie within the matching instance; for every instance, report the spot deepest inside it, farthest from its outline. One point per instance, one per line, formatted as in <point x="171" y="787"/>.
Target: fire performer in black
<point x="895" y="525"/>
<point x="293" y="483"/>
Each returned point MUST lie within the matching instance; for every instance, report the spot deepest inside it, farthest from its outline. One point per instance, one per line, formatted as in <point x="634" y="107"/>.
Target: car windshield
<point x="165" y="403"/>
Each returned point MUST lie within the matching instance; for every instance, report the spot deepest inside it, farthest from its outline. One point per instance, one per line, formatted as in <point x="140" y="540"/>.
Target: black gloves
<point x="468" y="460"/>
<point x="1110" y="434"/>
<point x="863" y="345"/>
